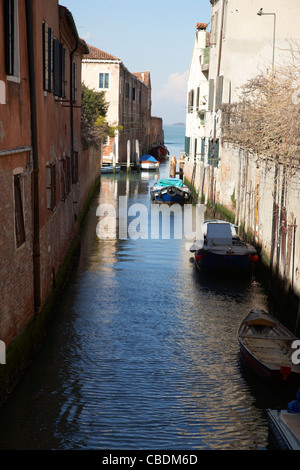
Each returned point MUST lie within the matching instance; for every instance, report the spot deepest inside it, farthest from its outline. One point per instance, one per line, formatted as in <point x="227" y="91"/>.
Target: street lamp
<point x="260" y="13"/>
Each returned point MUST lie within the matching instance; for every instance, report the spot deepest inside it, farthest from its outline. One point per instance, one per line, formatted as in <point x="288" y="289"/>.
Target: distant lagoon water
<point x="174" y="138"/>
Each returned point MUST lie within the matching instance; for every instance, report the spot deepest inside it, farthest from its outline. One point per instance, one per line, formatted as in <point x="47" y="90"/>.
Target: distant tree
<point x="94" y="127"/>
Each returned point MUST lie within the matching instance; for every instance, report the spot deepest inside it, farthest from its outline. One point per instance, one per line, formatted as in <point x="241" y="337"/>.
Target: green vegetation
<point x="94" y="126"/>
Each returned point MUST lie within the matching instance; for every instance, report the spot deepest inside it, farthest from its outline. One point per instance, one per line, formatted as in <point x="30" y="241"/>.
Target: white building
<point x="245" y="43"/>
<point x="249" y="38"/>
<point x="197" y="94"/>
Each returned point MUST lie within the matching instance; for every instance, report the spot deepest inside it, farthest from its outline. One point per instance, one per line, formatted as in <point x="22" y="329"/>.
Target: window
<point x="54" y="57"/>
<point x="198" y="98"/>
<point x="191" y="101"/>
<point x="51" y="185"/>
<point x="11" y="38"/>
<point x="133" y="93"/>
<point x="213" y="152"/>
<point x="19" y="216"/>
<point x="103" y="80"/>
<point x="58" y="68"/>
<point x="202" y="149"/>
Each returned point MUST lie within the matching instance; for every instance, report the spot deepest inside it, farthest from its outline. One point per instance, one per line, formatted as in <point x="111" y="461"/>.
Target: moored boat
<point x="110" y="169"/>
<point x="266" y="346"/>
<point x="284" y="427"/>
<point x="148" y="162"/>
<point x="160" y="152"/>
<point x="170" y="191"/>
<point x="220" y="248"/>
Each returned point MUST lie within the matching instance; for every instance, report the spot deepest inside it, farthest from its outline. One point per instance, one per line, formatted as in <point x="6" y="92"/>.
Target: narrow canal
<point x="143" y="351"/>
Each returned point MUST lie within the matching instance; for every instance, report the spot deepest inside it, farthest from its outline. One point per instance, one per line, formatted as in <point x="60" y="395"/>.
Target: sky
<point x="157" y="36"/>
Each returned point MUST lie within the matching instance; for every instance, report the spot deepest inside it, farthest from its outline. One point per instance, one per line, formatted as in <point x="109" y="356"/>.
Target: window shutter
<point x="45" y="55"/>
<point x="187" y="145"/>
<point x="202" y="149"/>
<point x="219" y="91"/>
<point x="63" y="71"/>
<point x="9" y="36"/>
<point x="58" y="67"/>
<point x="50" y="59"/>
<point x="211" y="95"/>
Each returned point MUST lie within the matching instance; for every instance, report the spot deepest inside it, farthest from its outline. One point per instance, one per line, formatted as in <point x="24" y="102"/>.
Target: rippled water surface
<point x="143" y="351"/>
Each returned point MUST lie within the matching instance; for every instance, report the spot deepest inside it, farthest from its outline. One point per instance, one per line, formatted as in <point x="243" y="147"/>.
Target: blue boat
<point x="148" y="162"/>
<point x="221" y="249"/>
<point x="170" y="191"/>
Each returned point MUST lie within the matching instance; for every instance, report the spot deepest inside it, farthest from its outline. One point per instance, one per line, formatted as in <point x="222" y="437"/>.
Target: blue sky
<point x="157" y="36"/>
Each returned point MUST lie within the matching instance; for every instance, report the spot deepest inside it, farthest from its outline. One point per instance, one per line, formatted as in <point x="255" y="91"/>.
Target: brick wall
<point x="16" y="274"/>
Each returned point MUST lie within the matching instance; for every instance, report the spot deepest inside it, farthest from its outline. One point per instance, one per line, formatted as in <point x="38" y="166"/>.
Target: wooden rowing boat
<point x="266" y="346"/>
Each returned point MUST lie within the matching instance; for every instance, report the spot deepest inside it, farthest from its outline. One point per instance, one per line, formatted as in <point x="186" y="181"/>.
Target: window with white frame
<point x="103" y="80"/>
<point x="19" y="214"/>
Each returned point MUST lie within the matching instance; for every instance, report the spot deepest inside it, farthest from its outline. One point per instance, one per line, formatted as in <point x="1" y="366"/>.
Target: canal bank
<point x="142" y="352"/>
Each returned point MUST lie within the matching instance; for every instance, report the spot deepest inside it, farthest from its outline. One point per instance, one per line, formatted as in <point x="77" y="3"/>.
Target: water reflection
<point x="143" y="352"/>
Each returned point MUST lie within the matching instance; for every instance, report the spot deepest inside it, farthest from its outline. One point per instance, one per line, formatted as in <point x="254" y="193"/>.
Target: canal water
<point x="142" y="353"/>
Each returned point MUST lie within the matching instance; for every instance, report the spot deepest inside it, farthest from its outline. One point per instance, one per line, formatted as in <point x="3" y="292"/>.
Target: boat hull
<point x="264" y="372"/>
<point x="284" y="428"/>
<point x="170" y="195"/>
<point x="160" y="152"/>
<point x="223" y="262"/>
<point x="149" y="166"/>
<point x="110" y="169"/>
<point x="266" y="347"/>
<point x="221" y="249"/>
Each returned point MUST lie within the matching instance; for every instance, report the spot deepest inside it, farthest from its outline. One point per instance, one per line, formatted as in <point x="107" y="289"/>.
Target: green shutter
<point x="202" y="149"/>
<point x="187" y="145"/>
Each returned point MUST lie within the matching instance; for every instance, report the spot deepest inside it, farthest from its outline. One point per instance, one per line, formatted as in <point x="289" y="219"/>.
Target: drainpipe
<point x="72" y="109"/>
<point x="35" y="173"/>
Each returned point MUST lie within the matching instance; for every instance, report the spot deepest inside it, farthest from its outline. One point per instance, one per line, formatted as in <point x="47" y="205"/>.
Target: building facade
<point x="129" y="98"/>
<point x="248" y="39"/>
<point x="45" y="177"/>
<point x="197" y="94"/>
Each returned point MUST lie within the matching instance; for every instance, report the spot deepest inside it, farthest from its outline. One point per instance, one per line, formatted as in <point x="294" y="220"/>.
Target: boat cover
<point x="219" y="234"/>
<point x="170" y="182"/>
<point x="148" y="158"/>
